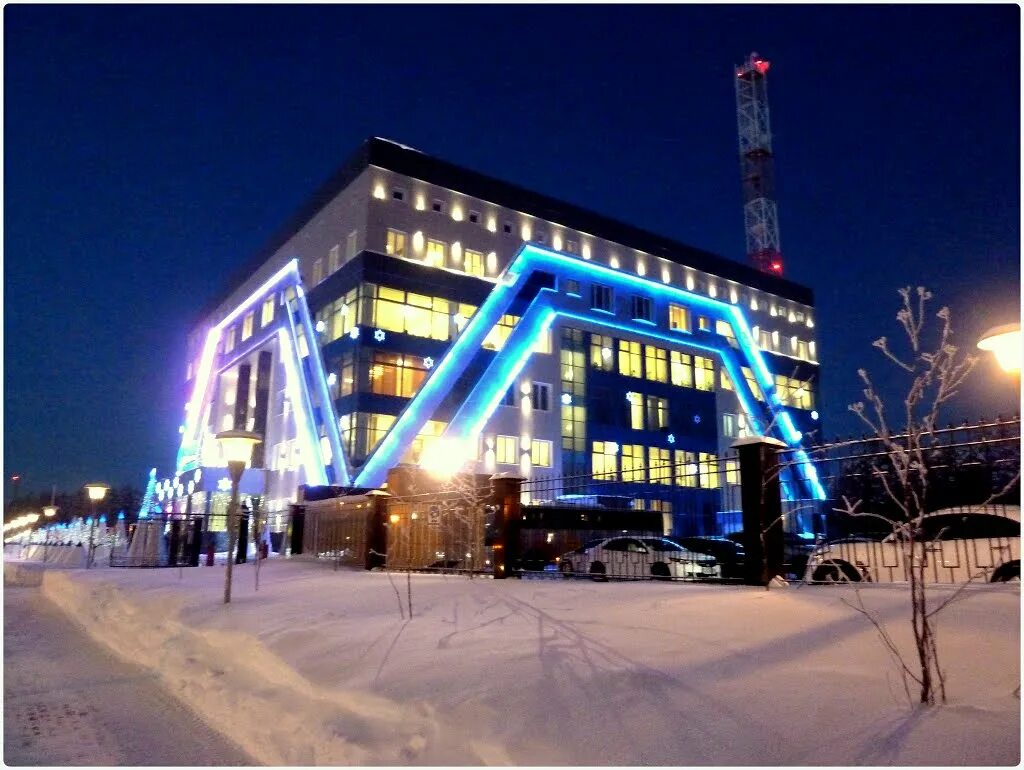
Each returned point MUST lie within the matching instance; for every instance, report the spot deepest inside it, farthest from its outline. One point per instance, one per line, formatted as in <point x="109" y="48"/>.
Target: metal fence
<point x="637" y="523"/>
<point x="968" y="478"/>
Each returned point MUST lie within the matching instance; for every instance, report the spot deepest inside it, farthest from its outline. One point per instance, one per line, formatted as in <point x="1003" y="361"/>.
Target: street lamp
<point x="96" y="491"/>
<point x="49" y="511"/>
<point x="236" y="446"/>
<point x="1004" y="341"/>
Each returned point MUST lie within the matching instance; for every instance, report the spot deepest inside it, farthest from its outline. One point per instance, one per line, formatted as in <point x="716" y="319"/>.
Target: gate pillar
<point x="761" y="499"/>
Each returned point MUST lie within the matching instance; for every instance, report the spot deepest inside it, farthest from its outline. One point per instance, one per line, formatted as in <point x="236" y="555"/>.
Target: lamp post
<point x="97" y="491"/>
<point x="1003" y="341"/>
<point x="236" y="446"/>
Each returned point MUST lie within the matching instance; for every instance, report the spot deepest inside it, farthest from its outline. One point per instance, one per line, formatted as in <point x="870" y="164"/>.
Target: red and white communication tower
<point x="760" y="212"/>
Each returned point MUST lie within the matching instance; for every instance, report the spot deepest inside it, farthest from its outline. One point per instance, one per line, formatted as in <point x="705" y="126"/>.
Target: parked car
<point x="795" y="551"/>
<point x="957" y="544"/>
<point x="728" y="554"/>
<point x="636" y="557"/>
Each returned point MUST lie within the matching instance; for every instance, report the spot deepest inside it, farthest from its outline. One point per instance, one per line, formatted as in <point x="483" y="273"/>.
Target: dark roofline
<point x="409" y="162"/>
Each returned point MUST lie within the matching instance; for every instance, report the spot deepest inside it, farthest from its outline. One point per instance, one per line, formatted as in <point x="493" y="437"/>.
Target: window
<point x="764" y="340"/>
<point x="436" y="251"/>
<point x="732" y="471"/>
<point x="318" y="271"/>
<point x="802" y="350"/>
<point x="399" y="311"/>
<point x="229" y="340"/>
<point x="629" y="359"/>
<point x="509" y="399"/>
<point x="707" y="465"/>
<point x="339" y="316"/>
<point x="703" y="373"/>
<point x="660" y="465"/>
<point x="507" y="450"/>
<point x="540" y="453"/>
<point x="351" y="245"/>
<point x="641" y="308"/>
<point x="394" y="374"/>
<point x="267" y="312"/>
<point x="636" y="410"/>
<point x="474" y="217"/>
<point x="543" y="343"/>
<point x="333" y="259"/>
<point x="729" y="426"/>
<point x="656" y="363"/>
<point x="633" y="465"/>
<point x="657" y="413"/>
<point x="572" y="288"/>
<point x="247" y="326"/>
<point x="604" y="460"/>
<point x="507" y="228"/>
<point x="541" y="397"/>
<point x="725" y="329"/>
<point x="602" y="355"/>
<point x="681" y="369"/>
<point x="437" y="206"/>
<point x="398" y="194"/>
<point x="473" y="263"/>
<point x="678" y="318"/>
<point x="686" y="468"/>
<point x="703" y="323"/>
<point x="499" y="333"/>
<point x="601" y="297"/>
<point x="572" y="247"/>
<point x="396" y="243"/>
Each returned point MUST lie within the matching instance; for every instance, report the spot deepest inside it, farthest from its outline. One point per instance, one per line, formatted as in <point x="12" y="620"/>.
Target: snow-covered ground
<point x="318" y="667"/>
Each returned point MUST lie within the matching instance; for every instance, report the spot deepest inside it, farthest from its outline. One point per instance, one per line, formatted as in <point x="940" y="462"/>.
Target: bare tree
<point x="934" y="372"/>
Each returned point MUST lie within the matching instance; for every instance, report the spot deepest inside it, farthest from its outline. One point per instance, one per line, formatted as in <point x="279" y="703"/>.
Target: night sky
<point x="149" y="151"/>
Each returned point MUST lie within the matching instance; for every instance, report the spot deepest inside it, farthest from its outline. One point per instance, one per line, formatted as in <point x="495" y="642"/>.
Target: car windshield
<point x="661" y="544"/>
<point x="594" y="543"/>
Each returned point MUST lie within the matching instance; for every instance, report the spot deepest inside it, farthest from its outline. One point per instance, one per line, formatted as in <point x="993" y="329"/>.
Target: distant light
<point x="332" y="378"/>
<point x="321" y="326"/>
<point x="224" y="485"/>
<point x="814" y="414"/>
<point x="566" y="399"/>
<point x="378" y="191"/>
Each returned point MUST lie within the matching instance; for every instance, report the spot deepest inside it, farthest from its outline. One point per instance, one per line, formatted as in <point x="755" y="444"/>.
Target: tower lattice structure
<point x="757" y="166"/>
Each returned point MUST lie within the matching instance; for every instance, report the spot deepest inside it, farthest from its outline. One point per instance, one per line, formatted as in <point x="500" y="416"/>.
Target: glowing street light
<point x="1004" y="341"/>
<point x="49" y="511"/>
<point x="96" y="491"/>
<point x="446" y="458"/>
<point x="236" y="446"/>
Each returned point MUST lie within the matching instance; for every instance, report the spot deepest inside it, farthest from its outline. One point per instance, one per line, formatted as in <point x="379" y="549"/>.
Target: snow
<point x="318" y="667"/>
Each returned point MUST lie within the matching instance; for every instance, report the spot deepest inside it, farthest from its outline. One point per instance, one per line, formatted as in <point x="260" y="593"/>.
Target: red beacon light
<point x="777" y="267"/>
<point x="761" y="65"/>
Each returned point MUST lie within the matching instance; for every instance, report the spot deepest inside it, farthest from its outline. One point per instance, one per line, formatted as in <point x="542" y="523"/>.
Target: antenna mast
<point x="760" y="212"/>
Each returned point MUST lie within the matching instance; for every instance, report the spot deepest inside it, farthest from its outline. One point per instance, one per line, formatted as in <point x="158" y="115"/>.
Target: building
<point x="452" y="315"/>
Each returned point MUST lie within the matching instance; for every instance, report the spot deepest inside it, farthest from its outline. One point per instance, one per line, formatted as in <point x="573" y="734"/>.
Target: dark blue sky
<point x="151" y="150"/>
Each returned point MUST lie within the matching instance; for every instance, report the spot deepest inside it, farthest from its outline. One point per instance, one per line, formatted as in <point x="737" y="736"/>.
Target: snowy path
<point x="69" y="702"/>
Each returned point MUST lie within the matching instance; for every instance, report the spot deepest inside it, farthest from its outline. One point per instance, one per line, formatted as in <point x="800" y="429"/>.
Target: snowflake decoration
<point x="378" y="335"/>
<point x="428" y="362"/>
<point x="671" y="438"/>
<point x="321" y="326"/>
<point x="566" y="399"/>
<point x="354" y="332"/>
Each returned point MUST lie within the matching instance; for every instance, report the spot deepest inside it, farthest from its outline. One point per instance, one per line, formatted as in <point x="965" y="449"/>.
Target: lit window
<point x="399" y="311"/>
<point x="540" y="453"/>
<point x="656" y="412"/>
<point x="473" y="263"/>
<point x="686" y="468"/>
<point x="659" y="465"/>
<point x="247" y="326"/>
<point x="636" y="410"/>
<point x="507" y="450"/>
<point x="707" y="465"/>
<point x="602" y="354"/>
<point x="725" y="329"/>
<point x="641" y="308"/>
<point x="351" y="245"/>
<point x="601" y="297"/>
<point x="396" y="243"/>
<point x="229" y="340"/>
<point x="267" y="314"/>
<point x="678" y="318"/>
<point x="436" y="251"/>
<point x="633" y="463"/>
<point x="703" y="373"/>
<point x="495" y="339"/>
<point x="681" y="369"/>
<point x="541" y="397"/>
<point x="318" y="271"/>
<point x="732" y="471"/>
<point x="656" y="363"/>
<point x="629" y="359"/>
<point x="802" y="350"/>
<point x="394" y="374"/>
<point x="543" y="343"/>
<point x="703" y="323"/>
<point x="333" y="259"/>
<point x="604" y="460"/>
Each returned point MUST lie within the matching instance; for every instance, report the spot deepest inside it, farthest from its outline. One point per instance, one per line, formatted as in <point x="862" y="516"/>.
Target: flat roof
<point x="401" y="159"/>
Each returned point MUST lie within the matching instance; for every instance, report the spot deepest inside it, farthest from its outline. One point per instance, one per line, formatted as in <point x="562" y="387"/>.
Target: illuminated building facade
<point x="414" y="311"/>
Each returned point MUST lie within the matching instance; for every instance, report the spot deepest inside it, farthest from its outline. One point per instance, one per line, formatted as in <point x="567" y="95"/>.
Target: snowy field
<point x="318" y="667"/>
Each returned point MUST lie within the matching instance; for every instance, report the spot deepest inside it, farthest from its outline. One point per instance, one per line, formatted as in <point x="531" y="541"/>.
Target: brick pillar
<point x="506" y="522"/>
<point x="761" y="497"/>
